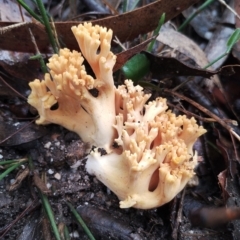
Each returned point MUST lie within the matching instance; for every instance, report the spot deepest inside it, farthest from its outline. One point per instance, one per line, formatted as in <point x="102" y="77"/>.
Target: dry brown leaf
<point x="18" y="181"/>
<point x="9" y="12"/>
<point x="181" y="43"/>
<point x="125" y="26"/>
<point x="15" y="63"/>
<point x="40" y="184"/>
<point x="125" y="55"/>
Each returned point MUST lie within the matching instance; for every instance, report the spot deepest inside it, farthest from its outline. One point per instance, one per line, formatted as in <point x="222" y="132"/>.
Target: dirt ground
<point x="22" y="217"/>
<point x="54" y="166"/>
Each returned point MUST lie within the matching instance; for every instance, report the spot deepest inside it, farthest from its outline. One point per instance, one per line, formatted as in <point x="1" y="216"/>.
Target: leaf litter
<point x="54" y="150"/>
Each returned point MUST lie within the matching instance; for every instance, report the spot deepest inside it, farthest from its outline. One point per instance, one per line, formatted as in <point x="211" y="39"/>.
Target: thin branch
<point x="19" y="94"/>
<point x="206" y="111"/>
<point x="39" y="56"/>
<point x="19" y="130"/>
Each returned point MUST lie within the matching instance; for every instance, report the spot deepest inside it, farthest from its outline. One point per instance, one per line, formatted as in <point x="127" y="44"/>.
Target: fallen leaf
<point x="125" y="55"/>
<point x="162" y="67"/>
<point x="40" y="184"/>
<point x="12" y="134"/>
<point x="125" y="26"/>
<point x="19" y="179"/>
<point x="10" y="12"/>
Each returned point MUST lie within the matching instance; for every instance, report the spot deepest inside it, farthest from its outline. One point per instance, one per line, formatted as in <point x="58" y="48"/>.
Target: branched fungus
<point x="154" y="157"/>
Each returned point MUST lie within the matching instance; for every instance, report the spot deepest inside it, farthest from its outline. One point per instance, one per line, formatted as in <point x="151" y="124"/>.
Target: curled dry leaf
<point x="22" y="175"/>
<point x="40" y="184"/>
<point x="12" y="134"/>
<point x="184" y="45"/>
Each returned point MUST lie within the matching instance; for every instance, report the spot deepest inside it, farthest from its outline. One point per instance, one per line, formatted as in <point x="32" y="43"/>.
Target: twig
<point x="190" y="113"/>
<point x="55" y="33"/>
<point x="20" y="10"/>
<point x="179" y="216"/>
<point x="117" y="41"/>
<point x="38" y="56"/>
<point x="20" y="129"/>
<point x="19" y="94"/>
<point x="26" y="211"/>
<point x="231" y="121"/>
<point x="29" y="10"/>
<point x="206" y="111"/>
<point x="229" y="8"/>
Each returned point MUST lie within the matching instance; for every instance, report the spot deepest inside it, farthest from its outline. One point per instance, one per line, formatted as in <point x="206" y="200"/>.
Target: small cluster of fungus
<point x="142" y="151"/>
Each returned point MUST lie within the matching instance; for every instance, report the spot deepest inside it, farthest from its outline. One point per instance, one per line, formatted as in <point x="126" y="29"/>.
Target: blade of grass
<point x="139" y="65"/>
<point x="194" y="14"/>
<point x="22" y="160"/>
<point x="80" y="220"/>
<point x="10" y="169"/>
<point x="46" y="206"/>
<point x="50" y="215"/>
<point x="156" y="31"/>
<point x="134" y="5"/>
<point x="47" y="25"/>
<point x="39" y="57"/>
<point x="233" y="39"/>
<point x="66" y="233"/>
<point x="38" y="54"/>
<point x="215" y="60"/>
<point x="30" y="11"/>
<point x="125" y="4"/>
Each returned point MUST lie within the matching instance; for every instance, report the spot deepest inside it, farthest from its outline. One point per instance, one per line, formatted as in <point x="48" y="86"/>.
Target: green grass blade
<point x="50" y="215"/>
<point x="125" y="5"/>
<point x="30" y="11"/>
<point x="47" y="25"/>
<point x="80" y="220"/>
<point x="234" y="38"/>
<point x="22" y="160"/>
<point x="134" y="5"/>
<point x="8" y="170"/>
<point x="193" y="15"/>
<point x="156" y="31"/>
<point x="39" y="57"/>
<point x="66" y="233"/>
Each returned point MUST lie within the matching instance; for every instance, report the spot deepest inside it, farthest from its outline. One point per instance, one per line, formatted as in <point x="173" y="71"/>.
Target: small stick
<point x="234" y="122"/>
<point x="14" y="90"/>
<point x="39" y="56"/>
<point x="179" y="216"/>
<point x="206" y="111"/>
<point x="19" y="130"/>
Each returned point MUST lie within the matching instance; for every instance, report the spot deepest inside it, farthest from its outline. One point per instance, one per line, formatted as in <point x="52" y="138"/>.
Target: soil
<point x="22" y="217"/>
<point x="55" y="168"/>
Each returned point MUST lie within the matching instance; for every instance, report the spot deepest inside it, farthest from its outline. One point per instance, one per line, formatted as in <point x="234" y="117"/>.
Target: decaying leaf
<point x="22" y="175"/>
<point x="125" y="26"/>
<point x="180" y="43"/>
<point x="21" y="132"/>
<point x="40" y="184"/>
<point x="10" y="12"/>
